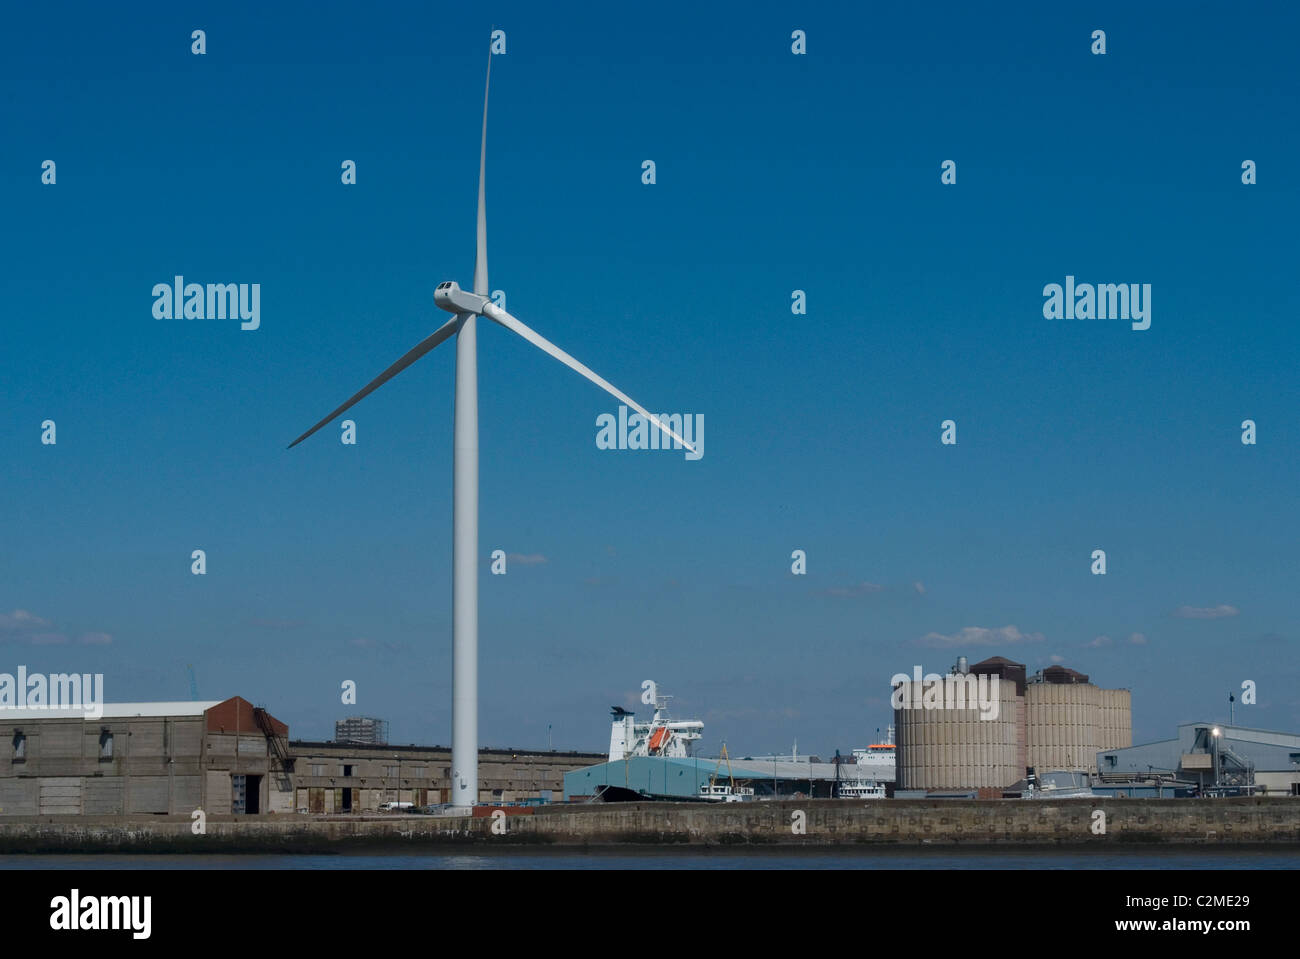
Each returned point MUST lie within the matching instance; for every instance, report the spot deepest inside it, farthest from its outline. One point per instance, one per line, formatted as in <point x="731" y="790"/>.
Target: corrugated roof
<point x="112" y="711"/>
<point x="757" y="769"/>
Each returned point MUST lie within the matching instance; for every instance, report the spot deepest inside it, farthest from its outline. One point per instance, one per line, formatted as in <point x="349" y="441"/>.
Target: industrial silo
<point x="948" y="747"/>
<point x="1116" y="720"/>
<point x="1063" y="721"/>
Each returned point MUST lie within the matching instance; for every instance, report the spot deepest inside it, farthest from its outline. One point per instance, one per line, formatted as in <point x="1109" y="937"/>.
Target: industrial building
<point x="222" y="757"/>
<point x="351" y="777"/>
<point x="1056" y="720"/>
<point x="1215" y="757"/>
<point x="231" y="757"/>
<point x="361" y="729"/>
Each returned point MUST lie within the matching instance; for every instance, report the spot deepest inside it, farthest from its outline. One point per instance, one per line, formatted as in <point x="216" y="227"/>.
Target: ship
<point x="668" y="738"/>
<point x="873" y="767"/>
<point x="659" y="759"/>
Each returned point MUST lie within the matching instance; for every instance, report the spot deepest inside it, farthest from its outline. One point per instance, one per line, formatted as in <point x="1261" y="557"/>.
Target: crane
<point x="713" y="780"/>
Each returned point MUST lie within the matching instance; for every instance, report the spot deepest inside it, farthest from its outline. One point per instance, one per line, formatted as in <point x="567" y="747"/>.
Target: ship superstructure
<point x="873" y="767"/>
<point x="661" y="736"/>
<point x="877" y="761"/>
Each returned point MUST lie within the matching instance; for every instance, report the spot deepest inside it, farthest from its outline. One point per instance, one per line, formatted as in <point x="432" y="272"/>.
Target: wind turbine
<point x="465" y="308"/>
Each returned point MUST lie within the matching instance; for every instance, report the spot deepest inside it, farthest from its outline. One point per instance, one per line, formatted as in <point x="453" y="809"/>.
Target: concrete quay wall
<point x="823" y="822"/>
<point x="942" y="821"/>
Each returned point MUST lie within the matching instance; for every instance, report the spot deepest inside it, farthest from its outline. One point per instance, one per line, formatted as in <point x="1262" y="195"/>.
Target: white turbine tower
<point x="466" y="308"/>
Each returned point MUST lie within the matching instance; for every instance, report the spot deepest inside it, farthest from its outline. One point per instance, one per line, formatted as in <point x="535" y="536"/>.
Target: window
<point x="105" y="745"/>
<point x="419" y="772"/>
<point x="1110" y="761"/>
<point x="390" y="770"/>
<point x="20" y="746"/>
<point x="347" y="769"/>
<point x="318" y="769"/>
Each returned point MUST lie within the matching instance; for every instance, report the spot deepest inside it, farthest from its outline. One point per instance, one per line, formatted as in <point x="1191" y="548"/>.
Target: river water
<point x="1165" y="857"/>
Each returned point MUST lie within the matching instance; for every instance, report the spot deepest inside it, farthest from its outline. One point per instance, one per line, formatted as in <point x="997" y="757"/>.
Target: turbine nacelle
<point x="450" y="297"/>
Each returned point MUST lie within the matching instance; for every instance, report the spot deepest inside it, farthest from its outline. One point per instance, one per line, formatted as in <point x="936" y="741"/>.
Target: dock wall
<point x="822" y="822"/>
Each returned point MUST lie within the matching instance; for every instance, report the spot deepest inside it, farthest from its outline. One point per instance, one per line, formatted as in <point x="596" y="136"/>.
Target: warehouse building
<point x="1056" y="720"/>
<point x="1213" y="755"/>
<point x="352" y="777"/>
<point x="231" y="757"/>
<point x="160" y="758"/>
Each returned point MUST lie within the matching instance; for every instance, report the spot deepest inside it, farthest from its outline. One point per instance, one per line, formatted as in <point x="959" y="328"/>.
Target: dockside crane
<point x="713" y="780"/>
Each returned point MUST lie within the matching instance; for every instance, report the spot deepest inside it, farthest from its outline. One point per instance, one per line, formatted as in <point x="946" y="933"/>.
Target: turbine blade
<point x="424" y="346"/>
<point x="495" y="313"/>
<point x="480" y="255"/>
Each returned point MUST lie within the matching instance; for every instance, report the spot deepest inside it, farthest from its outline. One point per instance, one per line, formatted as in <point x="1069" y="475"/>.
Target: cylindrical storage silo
<point x="949" y="745"/>
<point x="1117" y="730"/>
<point x="1062" y="726"/>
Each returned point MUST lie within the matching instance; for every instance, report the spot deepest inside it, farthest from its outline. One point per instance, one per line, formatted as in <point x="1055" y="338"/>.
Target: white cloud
<point x="980" y="636"/>
<point x="1137" y="639"/>
<point x="919" y="587"/>
<point x="1099" y="642"/>
<point x="25" y="627"/>
<point x="1205" y="612"/>
<point x="21" y="619"/>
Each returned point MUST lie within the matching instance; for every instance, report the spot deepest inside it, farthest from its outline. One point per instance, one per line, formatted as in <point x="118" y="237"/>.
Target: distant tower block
<point x="361" y="729"/>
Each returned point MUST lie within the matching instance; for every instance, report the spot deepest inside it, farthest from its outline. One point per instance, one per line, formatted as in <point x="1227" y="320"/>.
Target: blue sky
<point x="775" y="172"/>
